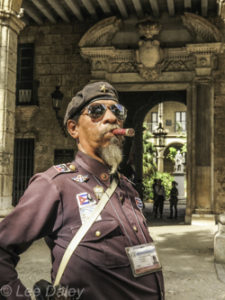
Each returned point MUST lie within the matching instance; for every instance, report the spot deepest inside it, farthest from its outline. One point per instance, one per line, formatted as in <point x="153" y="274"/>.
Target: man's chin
<point x="111" y="153"/>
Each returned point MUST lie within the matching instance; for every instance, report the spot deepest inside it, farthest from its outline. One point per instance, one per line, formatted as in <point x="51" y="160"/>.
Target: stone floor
<point x="185" y="251"/>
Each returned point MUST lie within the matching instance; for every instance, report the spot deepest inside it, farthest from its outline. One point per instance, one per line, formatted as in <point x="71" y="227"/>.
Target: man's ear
<point x="72" y="128"/>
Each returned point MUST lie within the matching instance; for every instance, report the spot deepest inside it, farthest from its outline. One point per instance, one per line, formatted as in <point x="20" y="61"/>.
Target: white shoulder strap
<point x="83" y="230"/>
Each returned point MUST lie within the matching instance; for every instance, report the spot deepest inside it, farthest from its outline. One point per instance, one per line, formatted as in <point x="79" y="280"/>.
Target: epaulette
<point x="65" y="168"/>
<point x="62" y="169"/>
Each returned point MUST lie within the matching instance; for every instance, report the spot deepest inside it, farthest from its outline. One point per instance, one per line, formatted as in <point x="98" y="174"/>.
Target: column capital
<point x="12" y="20"/>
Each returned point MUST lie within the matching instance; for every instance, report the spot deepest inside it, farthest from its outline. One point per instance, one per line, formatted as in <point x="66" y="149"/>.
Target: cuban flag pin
<point x="139" y="203"/>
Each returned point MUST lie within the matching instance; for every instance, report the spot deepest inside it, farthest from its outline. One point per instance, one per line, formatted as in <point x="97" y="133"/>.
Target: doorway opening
<point x="167" y="164"/>
<point x="143" y="115"/>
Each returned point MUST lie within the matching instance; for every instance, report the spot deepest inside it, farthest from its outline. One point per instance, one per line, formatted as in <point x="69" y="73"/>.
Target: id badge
<point x="143" y="259"/>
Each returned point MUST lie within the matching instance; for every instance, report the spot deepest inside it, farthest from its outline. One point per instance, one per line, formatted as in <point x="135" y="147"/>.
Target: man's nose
<point x="109" y="117"/>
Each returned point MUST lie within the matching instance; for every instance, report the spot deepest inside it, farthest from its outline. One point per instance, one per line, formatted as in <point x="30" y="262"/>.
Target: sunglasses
<point x="97" y="110"/>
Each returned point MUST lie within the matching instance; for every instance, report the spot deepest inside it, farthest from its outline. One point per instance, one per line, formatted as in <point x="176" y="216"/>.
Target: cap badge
<point x="98" y="190"/>
<point x="103" y="88"/>
<point x="80" y="178"/>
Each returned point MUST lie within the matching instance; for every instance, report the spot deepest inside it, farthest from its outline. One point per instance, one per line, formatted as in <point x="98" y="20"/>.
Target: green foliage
<point x="150" y="168"/>
<point x="172" y="153"/>
<point x="166" y="182"/>
<point x="184" y="148"/>
<point x="149" y="162"/>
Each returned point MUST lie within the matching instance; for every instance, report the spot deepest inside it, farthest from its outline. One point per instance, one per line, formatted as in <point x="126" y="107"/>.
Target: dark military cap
<point x="90" y="93"/>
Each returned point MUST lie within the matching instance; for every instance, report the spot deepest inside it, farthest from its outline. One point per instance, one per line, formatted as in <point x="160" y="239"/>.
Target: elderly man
<point x="116" y="259"/>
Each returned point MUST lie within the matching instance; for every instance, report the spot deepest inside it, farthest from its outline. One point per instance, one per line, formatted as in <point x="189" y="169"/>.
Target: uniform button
<point x="104" y="176"/>
<point x="97" y="233"/>
<point x="135" y="228"/>
<point x="72" y="167"/>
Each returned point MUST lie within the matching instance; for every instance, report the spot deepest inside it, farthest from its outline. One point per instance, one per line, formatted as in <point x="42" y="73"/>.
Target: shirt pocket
<point x="104" y="244"/>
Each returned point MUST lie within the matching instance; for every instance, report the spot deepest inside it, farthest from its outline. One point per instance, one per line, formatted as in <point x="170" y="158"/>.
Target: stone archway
<point x="189" y="68"/>
<point x="10" y="26"/>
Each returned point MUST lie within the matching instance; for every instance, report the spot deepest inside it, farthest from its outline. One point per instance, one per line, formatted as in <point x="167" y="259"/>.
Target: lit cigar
<point x="124" y="131"/>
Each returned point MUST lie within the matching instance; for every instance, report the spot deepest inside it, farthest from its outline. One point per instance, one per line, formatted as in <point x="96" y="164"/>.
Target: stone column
<point x="160" y="158"/>
<point x="204" y="146"/>
<point x="10" y="26"/>
<point x="201" y="158"/>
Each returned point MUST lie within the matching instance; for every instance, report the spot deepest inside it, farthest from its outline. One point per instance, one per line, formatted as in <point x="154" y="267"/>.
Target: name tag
<point x="143" y="259"/>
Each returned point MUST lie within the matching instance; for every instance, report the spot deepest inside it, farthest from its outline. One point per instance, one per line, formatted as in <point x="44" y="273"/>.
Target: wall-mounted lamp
<point x="57" y="97"/>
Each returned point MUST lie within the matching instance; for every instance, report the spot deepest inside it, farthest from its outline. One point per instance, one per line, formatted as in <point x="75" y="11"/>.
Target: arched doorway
<point x="146" y="77"/>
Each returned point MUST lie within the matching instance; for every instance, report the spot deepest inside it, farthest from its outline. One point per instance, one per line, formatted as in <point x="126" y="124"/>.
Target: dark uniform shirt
<point x="52" y="206"/>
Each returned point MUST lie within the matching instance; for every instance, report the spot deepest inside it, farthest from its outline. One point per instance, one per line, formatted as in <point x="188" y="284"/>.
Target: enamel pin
<point x="84" y="199"/>
<point x="139" y="203"/>
<point x="98" y="190"/>
<point x="62" y="168"/>
<point x="81" y="178"/>
<point x="86" y="206"/>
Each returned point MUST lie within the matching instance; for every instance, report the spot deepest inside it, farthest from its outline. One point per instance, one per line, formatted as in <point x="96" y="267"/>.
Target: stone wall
<point x="219" y="138"/>
<point x="57" y="62"/>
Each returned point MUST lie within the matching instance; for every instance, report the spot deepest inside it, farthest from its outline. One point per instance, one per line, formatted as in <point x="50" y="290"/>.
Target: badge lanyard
<point x="83" y="230"/>
<point x="113" y="207"/>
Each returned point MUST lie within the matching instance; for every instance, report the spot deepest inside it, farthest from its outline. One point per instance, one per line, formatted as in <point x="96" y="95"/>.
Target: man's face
<point x="94" y="134"/>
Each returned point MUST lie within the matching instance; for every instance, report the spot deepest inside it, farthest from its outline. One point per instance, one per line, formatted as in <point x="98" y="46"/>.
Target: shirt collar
<point x="93" y="166"/>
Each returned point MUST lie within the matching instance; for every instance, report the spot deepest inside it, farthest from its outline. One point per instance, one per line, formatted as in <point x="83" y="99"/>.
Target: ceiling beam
<point x="138" y="7"/>
<point x="187" y="4"/>
<point x="204" y="7"/>
<point x="171" y="8"/>
<point x="122" y="8"/>
<point x="104" y="5"/>
<point x="155" y="7"/>
<point x="59" y="9"/>
<point x="75" y="9"/>
<point x="32" y="13"/>
<point x="221" y="8"/>
<point x="90" y="8"/>
<point x="44" y="10"/>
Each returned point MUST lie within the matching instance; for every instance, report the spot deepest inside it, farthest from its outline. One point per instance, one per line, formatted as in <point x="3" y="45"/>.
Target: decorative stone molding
<point x="149" y="61"/>
<point x="200" y="28"/>
<point x="11" y="20"/>
<point x="101" y="34"/>
<point x="205" y="57"/>
<point x="205" y="48"/>
<point x="149" y="55"/>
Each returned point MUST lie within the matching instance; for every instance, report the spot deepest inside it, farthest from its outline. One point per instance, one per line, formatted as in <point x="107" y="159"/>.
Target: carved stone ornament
<point x="201" y="29"/>
<point x="150" y="55"/>
<point x="101" y="34"/>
